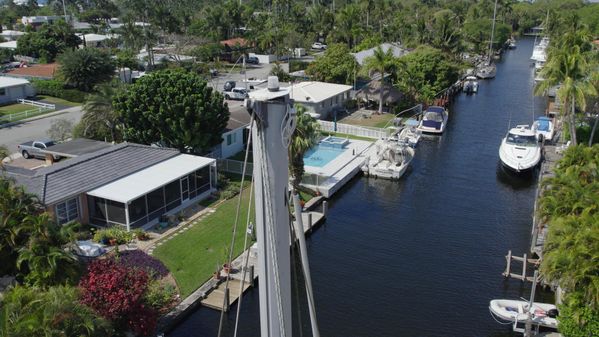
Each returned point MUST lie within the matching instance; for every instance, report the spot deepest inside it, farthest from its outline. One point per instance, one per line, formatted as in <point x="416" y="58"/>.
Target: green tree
<point x="380" y="62"/>
<point x="84" y="68"/>
<point x="48" y="41"/>
<point x="99" y="120"/>
<point x="304" y="137"/>
<point x="337" y="65"/>
<point x="52" y="312"/>
<point x="175" y="108"/>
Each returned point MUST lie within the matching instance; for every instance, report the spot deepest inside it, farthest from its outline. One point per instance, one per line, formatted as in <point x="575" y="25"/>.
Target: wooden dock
<point x="216" y="297"/>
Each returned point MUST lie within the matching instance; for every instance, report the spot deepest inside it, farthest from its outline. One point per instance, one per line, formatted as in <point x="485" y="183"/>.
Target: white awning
<point x="140" y="183"/>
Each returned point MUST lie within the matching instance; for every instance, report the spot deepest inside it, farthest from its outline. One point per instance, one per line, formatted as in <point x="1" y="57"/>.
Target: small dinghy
<point x="516" y="311"/>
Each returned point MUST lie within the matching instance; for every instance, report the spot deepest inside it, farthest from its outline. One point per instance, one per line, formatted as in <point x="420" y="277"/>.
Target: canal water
<point x="423" y="256"/>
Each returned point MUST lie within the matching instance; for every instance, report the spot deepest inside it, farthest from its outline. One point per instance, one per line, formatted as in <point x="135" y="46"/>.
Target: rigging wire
<point x="230" y="257"/>
<point x="294" y="243"/>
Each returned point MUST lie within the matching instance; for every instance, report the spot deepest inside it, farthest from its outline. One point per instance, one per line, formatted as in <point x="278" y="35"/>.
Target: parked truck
<point x="34" y="149"/>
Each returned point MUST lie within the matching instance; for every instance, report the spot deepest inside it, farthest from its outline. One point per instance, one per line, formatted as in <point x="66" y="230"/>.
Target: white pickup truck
<point x="33" y="149"/>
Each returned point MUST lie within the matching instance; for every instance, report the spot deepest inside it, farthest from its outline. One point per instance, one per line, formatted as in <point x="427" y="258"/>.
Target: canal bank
<point x="423" y="256"/>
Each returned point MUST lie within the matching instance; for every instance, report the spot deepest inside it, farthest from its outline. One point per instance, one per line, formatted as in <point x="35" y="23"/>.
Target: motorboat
<point x="470" y="85"/>
<point x="516" y="311"/>
<point x="434" y="120"/>
<point x="544" y="128"/>
<point x="520" y="150"/>
<point x="539" y="53"/>
<point x="389" y="160"/>
<point x="410" y="134"/>
<point x="511" y="43"/>
<point x="486" y="70"/>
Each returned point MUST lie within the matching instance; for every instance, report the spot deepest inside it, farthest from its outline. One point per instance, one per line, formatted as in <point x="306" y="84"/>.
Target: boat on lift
<point x="434" y="120"/>
<point x="544" y="128"/>
<point x="470" y="85"/>
<point x="520" y="149"/>
<point x="516" y="311"/>
<point x="390" y="159"/>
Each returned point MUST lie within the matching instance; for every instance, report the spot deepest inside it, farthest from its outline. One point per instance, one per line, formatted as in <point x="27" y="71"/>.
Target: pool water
<point x="319" y="155"/>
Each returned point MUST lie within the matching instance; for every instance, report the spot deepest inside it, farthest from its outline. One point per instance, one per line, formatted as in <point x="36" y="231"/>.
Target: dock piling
<point x="251" y="276"/>
<point x="226" y="303"/>
<point x="325" y="208"/>
<point x="524" y="263"/>
<point x="509" y="263"/>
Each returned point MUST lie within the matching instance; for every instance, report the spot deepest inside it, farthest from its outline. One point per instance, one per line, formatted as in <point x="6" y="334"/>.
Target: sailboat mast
<point x="492" y="33"/>
<point x="275" y="122"/>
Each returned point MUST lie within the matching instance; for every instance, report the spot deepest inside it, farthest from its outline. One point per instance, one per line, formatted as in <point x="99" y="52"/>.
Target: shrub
<point x="139" y="259"/>
<point x="119" y="234"/>
<point x="56" y="88"/>
<point x="231" y="190"/>
<point x="160" y="296"/>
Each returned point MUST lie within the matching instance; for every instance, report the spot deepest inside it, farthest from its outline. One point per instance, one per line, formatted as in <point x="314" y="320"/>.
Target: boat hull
<point x="518" y="311"/>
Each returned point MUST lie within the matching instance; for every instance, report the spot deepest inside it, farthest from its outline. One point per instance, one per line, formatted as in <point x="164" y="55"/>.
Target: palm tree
<point x="304" y="137"/>
<point x="98" y="110"/>
<point x="3" y="154"/>
<point x="380" y="62"/>
<point x="568" y="65"/>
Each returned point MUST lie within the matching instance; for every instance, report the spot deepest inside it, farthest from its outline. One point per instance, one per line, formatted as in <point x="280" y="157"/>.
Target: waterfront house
<point x="12" y="89"/>
<point x="396" y="49"/>
<point x="128" y="185"/>
<point x="320" y="98"/>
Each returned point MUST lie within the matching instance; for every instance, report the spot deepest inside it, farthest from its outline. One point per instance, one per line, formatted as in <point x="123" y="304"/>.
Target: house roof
<point x="36" y="70"/>
<point x="237" y="41"/>
<point x="9" y="45"/>
<point x="398" y="51"/>
<point x="77" y="147"/>
<point x="142" y="182"/>
<point x="238" y="117"/>
<point x="315" y="92"/>
<point x="372" y="91"/>
<point x="11" y="34"/>
<point x="89" y="171"/>
<point x="97" y="37"/>
<point x="7" y="82"/>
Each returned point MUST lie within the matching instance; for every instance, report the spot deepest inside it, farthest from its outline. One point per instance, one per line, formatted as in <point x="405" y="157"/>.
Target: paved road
<point x="20" y="133"/>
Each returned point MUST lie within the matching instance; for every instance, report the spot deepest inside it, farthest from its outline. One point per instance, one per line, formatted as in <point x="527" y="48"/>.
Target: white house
<point x="9" y="45"/>
<point x="12" y="89"/>
<point x="11" y="35"/>
<point x="320" y="98"/>
<point x="396" y="49"/>
<point x="235" y="135"/>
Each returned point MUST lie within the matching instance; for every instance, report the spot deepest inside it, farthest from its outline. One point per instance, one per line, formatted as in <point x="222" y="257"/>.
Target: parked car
<point x="237" y="93"/>
<point x="34" y="149"/>
<point x="229" y="85"/>
<point x="252" y="60"/>
<point x="319" y="46"/>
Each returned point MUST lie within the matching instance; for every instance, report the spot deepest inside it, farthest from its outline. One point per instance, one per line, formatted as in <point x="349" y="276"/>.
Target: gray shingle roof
<point x="90" y="171"/>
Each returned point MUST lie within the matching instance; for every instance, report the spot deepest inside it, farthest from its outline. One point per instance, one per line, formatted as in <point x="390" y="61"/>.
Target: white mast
<point x="492" y="33"/>
<point x="275" y="122"/>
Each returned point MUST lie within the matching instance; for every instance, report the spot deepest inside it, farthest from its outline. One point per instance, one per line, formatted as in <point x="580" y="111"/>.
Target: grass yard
<point x="345" y="135"/>
<point x="375" y="120"/>
<point x="194" y="255"/>
<point x="14" y="108"/>
<point x="56" y="100"/>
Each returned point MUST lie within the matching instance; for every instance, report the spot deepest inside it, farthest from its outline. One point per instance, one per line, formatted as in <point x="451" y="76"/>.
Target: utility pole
<point x="275" y="123"/>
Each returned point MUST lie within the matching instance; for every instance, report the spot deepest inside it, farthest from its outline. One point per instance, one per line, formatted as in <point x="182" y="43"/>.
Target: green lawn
<point x="56" y="100"/>
<point x="14" y="108"/>
<point x="375" y="120"/>
<point x="345" y="135"/>
<point x="194" y="255"/>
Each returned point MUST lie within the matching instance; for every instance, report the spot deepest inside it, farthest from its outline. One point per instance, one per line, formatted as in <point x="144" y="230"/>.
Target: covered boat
<point x="520" y="150"/>
<point x="434" y="120"/>
<point x="410" y="134"/>
<point x="470" y="85"/>
<point x="390" y="160"/>
<point x="516" y="311"/>
<point x="544" y="127"/>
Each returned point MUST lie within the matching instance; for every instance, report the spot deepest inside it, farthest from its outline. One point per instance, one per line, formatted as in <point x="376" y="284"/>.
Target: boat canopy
<point x="436" y="109"/>
<point x="543" y="124"/>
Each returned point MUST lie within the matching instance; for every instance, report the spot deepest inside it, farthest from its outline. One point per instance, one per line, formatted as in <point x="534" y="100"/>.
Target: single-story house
<point x="236" y="133"/>
<point x="12" y="89"/>
<point x="11" y="35"/>
<point x="9" y="45"/>
<point x="127" y="185"/>
<point x="396" y="49"/>
<point x="96" y="40"/>
<point x="36" y="21"/>
<point x="37" y="71"/>
<point x="320" y="98"/>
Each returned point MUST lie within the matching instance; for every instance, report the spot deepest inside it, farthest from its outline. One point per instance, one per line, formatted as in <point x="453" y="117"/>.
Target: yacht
<point x="434" y="120"/>
<point x="516" y="311"/>
<point x="390" y="159"/>
<point x="520" y="151"/>
<point x="470" y="85"/>
<point x="488" y="68"/>
<point x="544" y="128"/>
<point x="539" y="53"/>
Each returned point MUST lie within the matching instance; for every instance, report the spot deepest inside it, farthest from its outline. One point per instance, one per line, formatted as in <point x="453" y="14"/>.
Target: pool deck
<point x="341" y="169"/>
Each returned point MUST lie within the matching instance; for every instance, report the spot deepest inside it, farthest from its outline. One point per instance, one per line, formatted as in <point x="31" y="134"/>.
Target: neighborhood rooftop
<point x="395" y="47"/>
<point x="315" y="92"/>
<point x="7" y="82"/>
<point x="90" y="171"/>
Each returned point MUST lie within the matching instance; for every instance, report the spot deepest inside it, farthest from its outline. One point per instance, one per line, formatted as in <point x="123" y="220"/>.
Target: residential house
<point x="35" y="71"/>
<point x="37" y="21"/>
<point x="236" y="134"/>
<point x="12" y="89"/>
<point x="11" y="35"/>
<point x="396" y="49"/>
<point x="320" y="98"/>
<point x="128" y="185"/>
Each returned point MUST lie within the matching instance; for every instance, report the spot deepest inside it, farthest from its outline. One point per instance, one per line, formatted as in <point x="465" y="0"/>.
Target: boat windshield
<point x="433" y="116"/>
<point x="514" y="139"/>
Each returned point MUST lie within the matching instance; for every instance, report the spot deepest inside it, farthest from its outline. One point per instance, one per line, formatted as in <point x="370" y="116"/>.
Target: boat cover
<point x="543" y="124"/>
<point x="436" y="109"/>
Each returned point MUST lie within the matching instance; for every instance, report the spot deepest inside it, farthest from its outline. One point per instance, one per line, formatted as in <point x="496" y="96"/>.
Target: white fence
<point x="37" y="104"/>
<point x="39" y="109"/>
<point x="234" y="166"/>
<point x="354" y="130"/>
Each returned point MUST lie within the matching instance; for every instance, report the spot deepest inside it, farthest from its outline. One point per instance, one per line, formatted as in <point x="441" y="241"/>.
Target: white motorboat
<point x="516" y="311"/>
<point x="544" y="127"/>
<point x="511" y="43"/>
<point x="470" y="85"/>
<point x="410" y="134"/>
<point x="539" y="53"/>
<point x="434" y="120"/>
<point x="390" y="160"/>
<point x="520" y="150"/>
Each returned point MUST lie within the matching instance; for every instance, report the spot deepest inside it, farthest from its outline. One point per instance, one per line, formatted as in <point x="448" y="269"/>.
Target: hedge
<point x="56" y="88"/>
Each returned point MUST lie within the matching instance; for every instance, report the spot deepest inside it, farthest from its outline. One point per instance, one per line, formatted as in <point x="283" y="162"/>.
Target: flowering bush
<point x="138" y="259"/>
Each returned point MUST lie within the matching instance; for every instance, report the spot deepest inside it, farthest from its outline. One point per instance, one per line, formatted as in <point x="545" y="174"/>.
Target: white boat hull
<point x="518" y="311"/>
<point x="519" y="158"/>
<point x="378" y="165"/>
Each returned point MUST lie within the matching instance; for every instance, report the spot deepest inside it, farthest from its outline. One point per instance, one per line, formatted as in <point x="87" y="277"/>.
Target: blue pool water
<point x="320" y="155"/>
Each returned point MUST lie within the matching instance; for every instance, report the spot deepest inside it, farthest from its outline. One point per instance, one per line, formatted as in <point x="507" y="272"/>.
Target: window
<point x="116" y="212"/>
<point x="67" y="211"/>
<point x="172" y="194"/>
<point x="231" y="138"/>
<point x="2" y="91"/>
<point x="97" y="209"/>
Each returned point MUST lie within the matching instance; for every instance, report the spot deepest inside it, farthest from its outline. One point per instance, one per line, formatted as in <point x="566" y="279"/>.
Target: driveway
<point x="37" y="129"/>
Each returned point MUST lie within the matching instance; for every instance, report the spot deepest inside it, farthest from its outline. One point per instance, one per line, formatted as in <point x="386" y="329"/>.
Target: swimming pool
<point x="320" y="155"/>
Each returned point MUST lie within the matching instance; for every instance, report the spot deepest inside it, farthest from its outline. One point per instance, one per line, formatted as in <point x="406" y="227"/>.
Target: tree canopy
<point x="48" y="41"/>
<point x="337" y="65"/>
<point x="86" y="67"/>
<point x="175" y="108"/>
